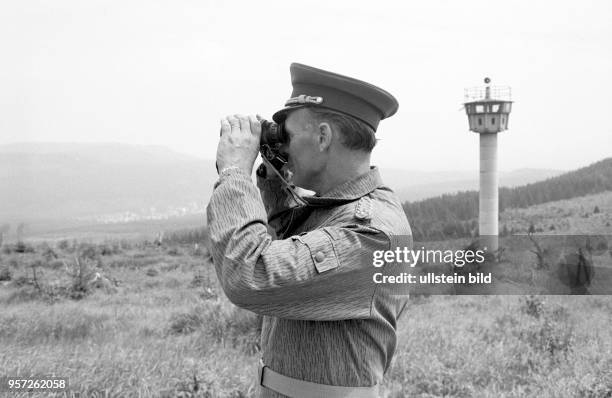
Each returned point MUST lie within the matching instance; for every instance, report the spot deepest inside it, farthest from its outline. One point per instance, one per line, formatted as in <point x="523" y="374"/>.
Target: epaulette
<point x="363" y="210"/>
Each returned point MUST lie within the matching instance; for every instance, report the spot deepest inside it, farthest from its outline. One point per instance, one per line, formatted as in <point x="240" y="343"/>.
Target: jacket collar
<point x="350" y="190"/>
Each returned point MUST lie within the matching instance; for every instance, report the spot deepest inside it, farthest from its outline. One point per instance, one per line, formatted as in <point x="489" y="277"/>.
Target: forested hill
<point x="456" y="215"/>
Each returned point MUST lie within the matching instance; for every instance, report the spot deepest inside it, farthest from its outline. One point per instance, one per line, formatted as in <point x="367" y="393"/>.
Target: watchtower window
<point x="479" y="121"/>
<point x="493" y="120"/>
<point x="479" y="108"/>
<point x="495" y="108"/>
<point x="503" y="120"/>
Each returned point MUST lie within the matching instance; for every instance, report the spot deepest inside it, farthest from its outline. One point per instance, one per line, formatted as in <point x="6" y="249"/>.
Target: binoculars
<point x="273" y="136"/>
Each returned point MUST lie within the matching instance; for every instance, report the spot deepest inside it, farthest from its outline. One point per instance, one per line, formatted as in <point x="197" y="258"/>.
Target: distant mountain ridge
<point x="111" y="182"/>
<point x="46" y="181"/>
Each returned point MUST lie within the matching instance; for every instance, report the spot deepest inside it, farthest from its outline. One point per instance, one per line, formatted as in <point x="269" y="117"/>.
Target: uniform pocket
<point x="322" y="250"/>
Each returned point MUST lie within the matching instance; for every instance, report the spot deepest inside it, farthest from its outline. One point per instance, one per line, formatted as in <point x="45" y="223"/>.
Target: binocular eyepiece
<point x="272" y="133"/>
<point x="273" y="136"/>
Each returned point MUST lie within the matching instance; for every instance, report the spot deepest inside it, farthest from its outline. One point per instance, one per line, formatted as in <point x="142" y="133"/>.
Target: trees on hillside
<point x="453" y="216"/>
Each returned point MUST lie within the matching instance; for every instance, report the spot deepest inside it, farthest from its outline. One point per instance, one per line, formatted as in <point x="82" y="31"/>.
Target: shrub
<point x="173" y="251"/>
<point x="63" y="245"/>
<point x="5" y="274"/>
<point x="186" y="323"/>
<point x="47" y="252"/>
<point x="81" y="274"/>
<point x="21" y="280"/>
<point x="56" y="264"/>
<point x="532" y="306"/>
<point x="548" y="336"/>
<point x="87" y="251"/>
<point x="168" y="267"/>
<point x="152" y="272"/>
<point x="108" y="250"/>
<point x="199" y="280"/>
<point x="22" y="247"/>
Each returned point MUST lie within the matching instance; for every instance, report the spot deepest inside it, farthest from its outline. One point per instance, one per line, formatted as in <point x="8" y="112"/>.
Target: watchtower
<point x="488" y="110"/>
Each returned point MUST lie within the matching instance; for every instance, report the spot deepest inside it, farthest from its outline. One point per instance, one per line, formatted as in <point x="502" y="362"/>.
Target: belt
<point x="296" y="388"/>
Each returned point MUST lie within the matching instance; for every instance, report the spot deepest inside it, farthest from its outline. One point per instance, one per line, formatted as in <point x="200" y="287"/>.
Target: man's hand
<point x="239" y="143"/>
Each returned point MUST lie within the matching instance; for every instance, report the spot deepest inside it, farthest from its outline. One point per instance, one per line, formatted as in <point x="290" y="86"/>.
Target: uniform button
<point x="319" y="257"/>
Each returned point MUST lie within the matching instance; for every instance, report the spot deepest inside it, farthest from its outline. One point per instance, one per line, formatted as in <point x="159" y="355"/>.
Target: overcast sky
<point x="164" y="72"/>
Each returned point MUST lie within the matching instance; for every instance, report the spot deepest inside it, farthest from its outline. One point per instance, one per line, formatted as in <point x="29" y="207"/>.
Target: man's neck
<point x="341" y="172"/>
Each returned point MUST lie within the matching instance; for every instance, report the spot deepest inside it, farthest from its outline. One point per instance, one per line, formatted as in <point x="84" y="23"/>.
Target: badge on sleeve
<point x="363" y="210"/>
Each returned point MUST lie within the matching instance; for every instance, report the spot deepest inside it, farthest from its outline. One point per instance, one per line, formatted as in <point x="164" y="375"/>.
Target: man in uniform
<point x="306" y="265"/>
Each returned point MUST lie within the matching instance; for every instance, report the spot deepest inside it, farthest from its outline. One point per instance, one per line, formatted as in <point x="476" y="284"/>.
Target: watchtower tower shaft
<point x="488" y="111"/>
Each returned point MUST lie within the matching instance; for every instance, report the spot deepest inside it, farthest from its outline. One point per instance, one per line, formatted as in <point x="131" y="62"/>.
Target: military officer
<point x="306" y="265"/>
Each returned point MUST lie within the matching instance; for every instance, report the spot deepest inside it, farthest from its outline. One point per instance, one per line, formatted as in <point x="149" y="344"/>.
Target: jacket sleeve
<point x="321" y="275"/>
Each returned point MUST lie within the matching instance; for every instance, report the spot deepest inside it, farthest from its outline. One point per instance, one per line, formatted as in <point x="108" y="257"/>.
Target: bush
<point x="186" y="323"/>
<point x="532" y="306"/>
<point x="88" y="251"/>
<point x="22" y="247"/>
<point x="173" y="251"/>
<point x="63" y="245"/>
<point x="545" y="330"/>
<point x="5" y="274"/>
<point x="56" y="264"/>
<point x="152" y="272"/>
<point x="81" y="274"/>
<point x="199" y="280"/>
<point x="21" y="280"/>
<point x="109" y="249"/>
<point x="549" y="336"/>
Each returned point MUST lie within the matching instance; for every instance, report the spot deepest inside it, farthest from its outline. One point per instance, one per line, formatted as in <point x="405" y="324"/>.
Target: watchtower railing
<point x="502" y="93"/>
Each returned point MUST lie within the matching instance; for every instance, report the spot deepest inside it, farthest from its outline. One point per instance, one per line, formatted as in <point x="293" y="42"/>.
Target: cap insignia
<point x="304" y="99"/>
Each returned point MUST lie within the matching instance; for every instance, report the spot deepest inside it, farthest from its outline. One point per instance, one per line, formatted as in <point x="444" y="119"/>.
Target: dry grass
<point x="171" y="331"/>
<point x="478" y="346"/>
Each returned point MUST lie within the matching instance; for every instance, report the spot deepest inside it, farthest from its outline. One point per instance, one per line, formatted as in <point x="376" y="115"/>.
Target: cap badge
<point x="304" y="99"/>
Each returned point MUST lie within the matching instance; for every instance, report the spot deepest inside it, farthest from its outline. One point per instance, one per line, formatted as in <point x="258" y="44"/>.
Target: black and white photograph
<point x="322" y="199"/>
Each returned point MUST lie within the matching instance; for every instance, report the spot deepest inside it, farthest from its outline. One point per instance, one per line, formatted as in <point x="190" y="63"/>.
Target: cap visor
<point x="280" y="116"/>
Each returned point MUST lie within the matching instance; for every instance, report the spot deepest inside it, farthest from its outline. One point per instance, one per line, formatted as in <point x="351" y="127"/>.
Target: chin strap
<point x="289" y="188"/>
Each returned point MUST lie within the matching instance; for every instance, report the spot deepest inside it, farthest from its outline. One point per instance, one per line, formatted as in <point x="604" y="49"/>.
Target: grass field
<point x="154" y="322"/>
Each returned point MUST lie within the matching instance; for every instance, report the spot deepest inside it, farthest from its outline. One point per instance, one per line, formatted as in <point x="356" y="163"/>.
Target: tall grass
<point x="172" y="332"/>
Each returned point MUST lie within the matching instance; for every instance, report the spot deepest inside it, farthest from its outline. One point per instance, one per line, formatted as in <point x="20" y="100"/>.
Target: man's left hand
<point x="239" y="143"/>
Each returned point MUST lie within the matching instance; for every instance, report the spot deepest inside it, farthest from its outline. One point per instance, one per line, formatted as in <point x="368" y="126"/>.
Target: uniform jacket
<point x="308" y="271"/>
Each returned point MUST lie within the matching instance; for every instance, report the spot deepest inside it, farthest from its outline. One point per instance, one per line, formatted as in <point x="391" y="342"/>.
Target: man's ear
<point x="326" y="134"/>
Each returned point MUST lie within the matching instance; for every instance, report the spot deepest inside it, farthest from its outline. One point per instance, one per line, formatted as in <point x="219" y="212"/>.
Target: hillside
<point x="413" y="186"/>
<point x="85" y="181"/>
<point x="456" y="215"/>
<point x="591" y="214"/>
